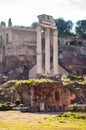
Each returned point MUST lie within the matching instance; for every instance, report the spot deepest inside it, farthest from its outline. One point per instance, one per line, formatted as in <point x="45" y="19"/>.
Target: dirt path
<point x="31" y="117"/>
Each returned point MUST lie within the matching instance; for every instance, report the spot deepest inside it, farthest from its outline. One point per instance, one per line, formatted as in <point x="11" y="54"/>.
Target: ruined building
<point x="18" y="51"/>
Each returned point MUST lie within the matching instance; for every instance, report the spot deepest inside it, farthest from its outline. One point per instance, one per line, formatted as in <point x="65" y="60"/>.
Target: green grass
<point x="30" y="121"/>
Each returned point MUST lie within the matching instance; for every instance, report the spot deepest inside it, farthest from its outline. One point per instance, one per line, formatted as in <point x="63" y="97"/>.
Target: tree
<point x="3" y="24"/>
<point x="34" y="25"/>
<point x="60" y="23"/>
<point x="81" y="28"/>
<point x="69" y="26"/>
<point x="9" y="23"/>
<point x="64" y="27"/>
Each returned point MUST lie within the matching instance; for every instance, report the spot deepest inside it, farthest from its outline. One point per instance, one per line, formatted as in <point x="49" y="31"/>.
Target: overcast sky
<point x="25" y="12"/>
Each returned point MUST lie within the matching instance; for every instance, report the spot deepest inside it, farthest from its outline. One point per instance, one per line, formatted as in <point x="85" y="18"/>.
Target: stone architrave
<point x="55" y="52"/>
<point x="47" y="51"/>
<point x="39" y="50"/>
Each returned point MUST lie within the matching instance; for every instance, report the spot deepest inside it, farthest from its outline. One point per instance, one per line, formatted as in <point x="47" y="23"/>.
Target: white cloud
<point x="24" y="12"/>
<point x="78" y="4"/>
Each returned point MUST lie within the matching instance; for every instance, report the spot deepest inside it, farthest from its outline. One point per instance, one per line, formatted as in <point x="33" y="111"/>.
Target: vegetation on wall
<point x="74" y="83"/>
<point x="65" y="79"/>
<point x="70" y="78"/>
<point x="9" y="88"/>
<point x="27" y="84"/>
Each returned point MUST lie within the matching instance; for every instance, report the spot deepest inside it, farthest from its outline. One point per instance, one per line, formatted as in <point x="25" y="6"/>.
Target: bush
<point x="7" y="106"/>
<point x="77" y="115"/>
<point x="3" y="107"/>
<point x="82" y="115"/>
<point x="67" y="114"/>
<point x="8" y="103"/>
<point x="17" y="102"/>
<point x="74" y="77"/>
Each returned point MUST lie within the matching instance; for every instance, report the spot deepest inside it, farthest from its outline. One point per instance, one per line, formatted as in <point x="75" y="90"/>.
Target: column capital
<point x="38" y="28"/>
<point x="47" y="29"/>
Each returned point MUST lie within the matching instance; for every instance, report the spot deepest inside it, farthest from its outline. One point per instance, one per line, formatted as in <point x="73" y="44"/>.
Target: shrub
<point x="76" y="115"/>
<point x="82" y="115"/>
<point x="8" y="103"/>
<point x="74" y="77"/>
<point x="17" y="102"/>
<point x="3" y="107"/>
<point x="67" y="114"/>
<point x="6" y="106"/>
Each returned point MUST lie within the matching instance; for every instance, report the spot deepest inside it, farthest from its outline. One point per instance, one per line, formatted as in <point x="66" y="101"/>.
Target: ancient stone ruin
<point x="42" y="95"/>
<point x="26" y="52"/>
<point x="47" y="24"/>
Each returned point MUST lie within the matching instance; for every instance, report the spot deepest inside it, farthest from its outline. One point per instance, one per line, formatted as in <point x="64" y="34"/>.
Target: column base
<point x="54" y="77"/>
<point x="38" y="75"/>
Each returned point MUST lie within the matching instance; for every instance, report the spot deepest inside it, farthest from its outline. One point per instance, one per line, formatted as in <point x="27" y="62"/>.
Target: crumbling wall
<point x="19" y="53"/>
<point x="17" y="67"/>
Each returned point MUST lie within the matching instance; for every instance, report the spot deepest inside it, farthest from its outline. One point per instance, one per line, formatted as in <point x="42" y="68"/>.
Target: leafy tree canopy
<point x="34" y="25"/>
<point x="3" y="24"/>
<point x="9" y="22"/>
<point x="64" y="27"/>
<point x="81" y="28"/>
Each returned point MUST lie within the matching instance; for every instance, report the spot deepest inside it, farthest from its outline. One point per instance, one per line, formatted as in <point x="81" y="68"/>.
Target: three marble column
<point x="47" y="51"/>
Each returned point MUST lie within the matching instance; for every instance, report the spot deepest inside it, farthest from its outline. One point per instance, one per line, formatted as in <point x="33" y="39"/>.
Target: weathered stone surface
<point x="76" y="107"/>
<point x="47" y="21"/>
<point x="51" y="93"/>
<point x="18" y="50"/>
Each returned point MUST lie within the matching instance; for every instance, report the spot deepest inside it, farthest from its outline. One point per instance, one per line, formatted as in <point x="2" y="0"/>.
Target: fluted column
<point x="55" y="51"/>
<point x="47" y="51"/>
<point x="39" y="50"/>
